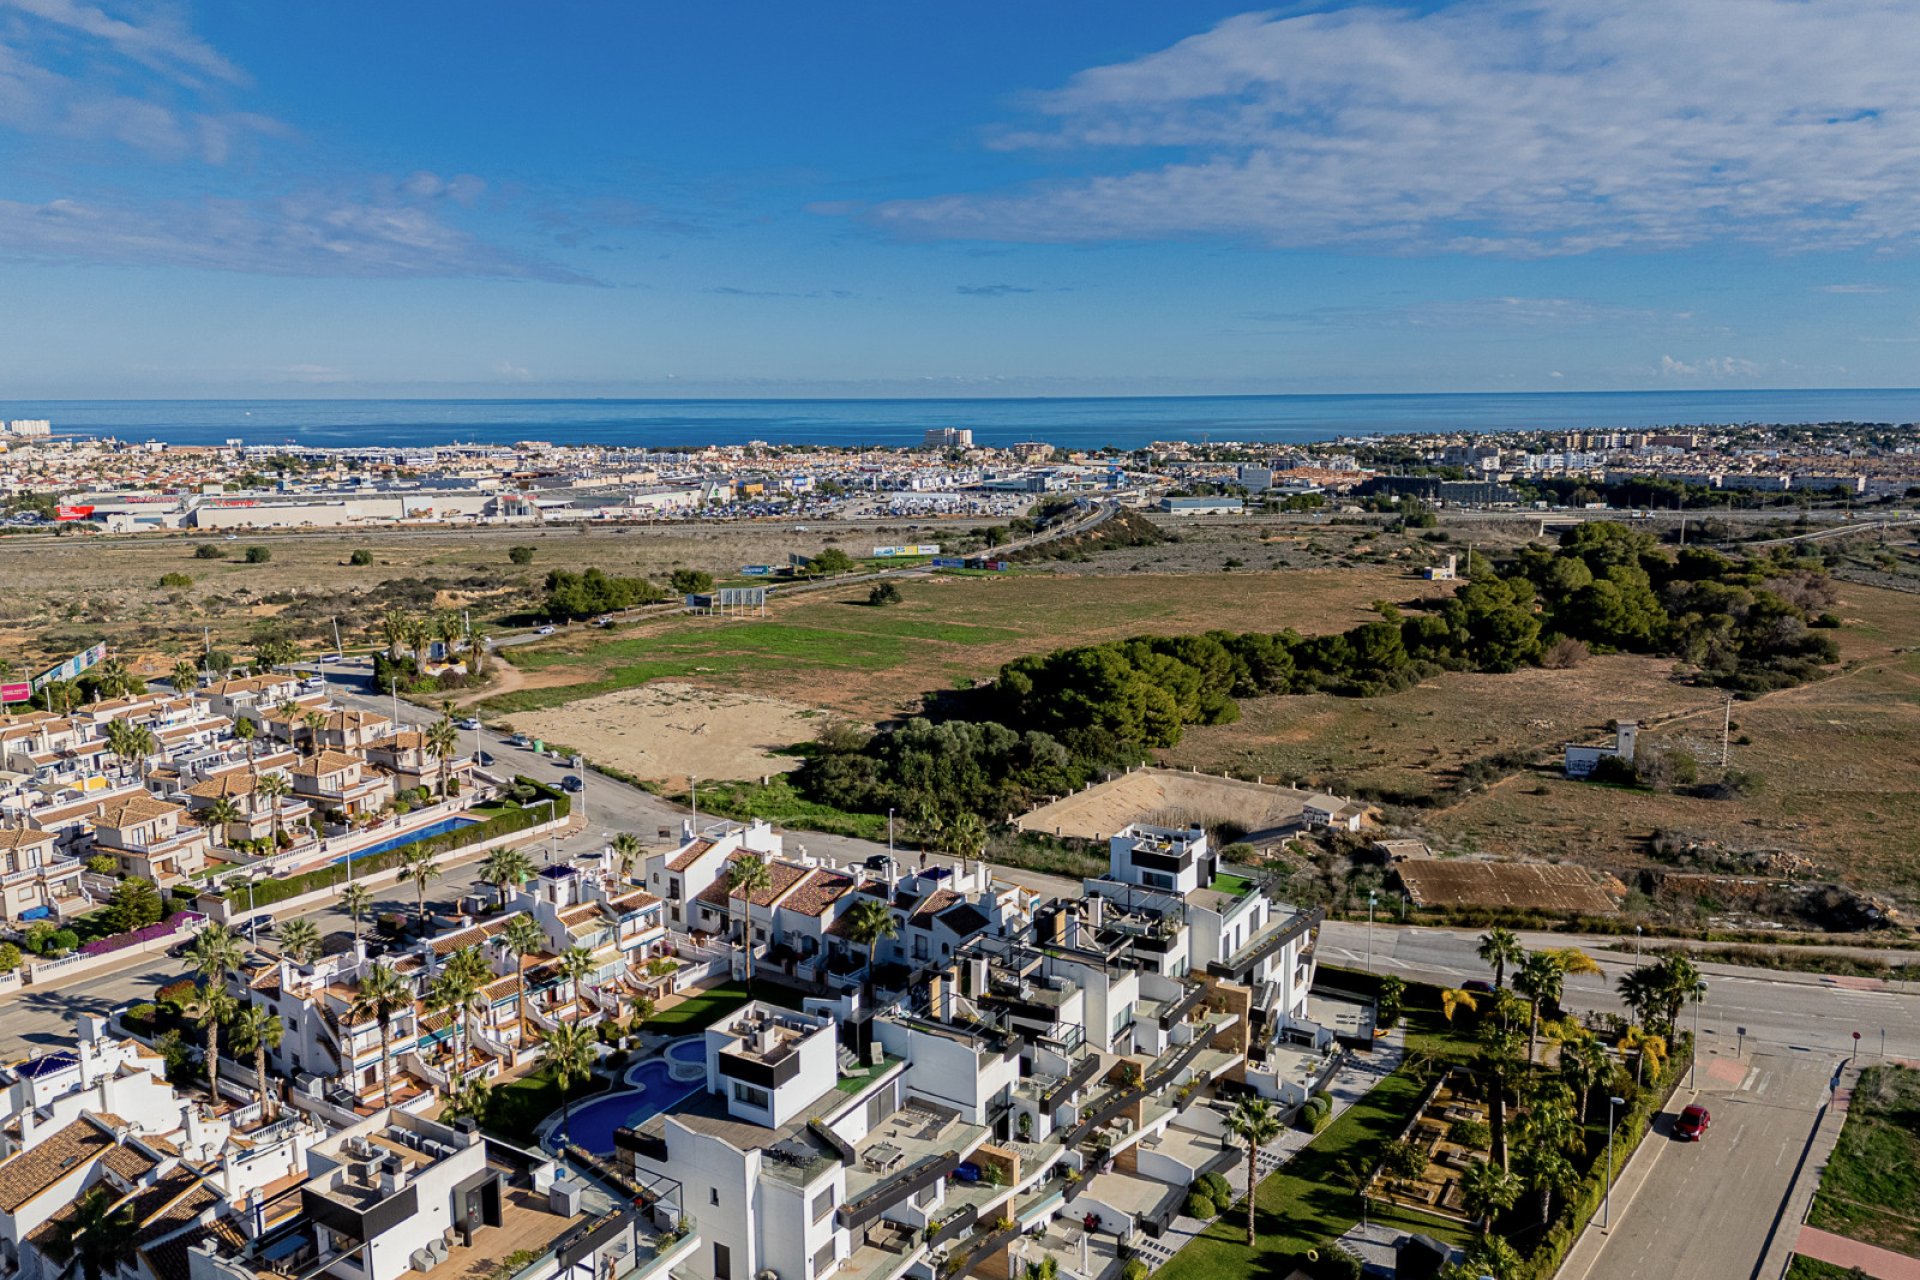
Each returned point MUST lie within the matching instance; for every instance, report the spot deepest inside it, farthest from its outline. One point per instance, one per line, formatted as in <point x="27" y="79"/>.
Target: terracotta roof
<point x="820" y="890"/>
<point x="936" y="902"/>
<point x="14" y="838"/>
<point x="129" y="1162"/>
<point x="637" y="900"/>
<point x="27" y="1174"/>
<point x="235" y="782"/>
<point x="140" y="807"/>
<point x="447" y="944"/>
<point x="580" y="914"/>
<point x="686" y="857"/>
<point x="328" y="761"/>
<point x="784" y="876"/>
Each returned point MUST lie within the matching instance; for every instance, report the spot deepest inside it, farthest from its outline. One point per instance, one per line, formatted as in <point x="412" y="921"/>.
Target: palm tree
<point x="966" y="836"/>
<point x="575" y="964"/>
<point x="255" y="1031"/>
<point x="443" y="740"/>
<point x="1545" y="1169"/>
<point x="626" y="851"/>
<point x="211" y="1007"/>
<point x="471" y="964"/>
<point x="100" y="1237"/>
<point x="1048" y="1268"/>
<point x="568" y="1057"/>
<point x="356" y="900"/>
<point x="1639" y="990"/>
<point x="130" y="743"/>
<point x="1500" y="948"/>
<point x="275" y="787"/>
<point x="1254" y="1122"/>
<point x="393" y="628"/>
<point x="1487" y="1189"/>
<point x="382" y="994"/>
<point x="523" y="937"/>
<point x="469" y="1096"/>
<point x="1454" y="999"/>
<point x="504" y="869"/>
<point x="1498" y="1058"/>
<point x="1644" y="1044"/>
<point x="452" y="993"/>
<point x="223" y="813"/>
<point x="422" y="870"/>
<point x="868" y="922"/>
<point x="1492" y="1256"/>
<point x="1542" y="980"/>
<point x="245" y="730"/>
<point x="185" y="677"/>
<point x="214" y="953"/>
<point x="1583" y="1063"/>
<point x="315" y="721"/>
<point x="301" y="940"/>
<point x="746" y="878"/>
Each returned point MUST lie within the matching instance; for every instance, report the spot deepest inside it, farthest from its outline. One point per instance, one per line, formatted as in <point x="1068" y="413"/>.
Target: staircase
<point x="849" y="1061"/>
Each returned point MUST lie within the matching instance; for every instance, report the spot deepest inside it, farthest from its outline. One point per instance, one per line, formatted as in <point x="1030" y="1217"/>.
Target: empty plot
<point x="1526" y="886"/>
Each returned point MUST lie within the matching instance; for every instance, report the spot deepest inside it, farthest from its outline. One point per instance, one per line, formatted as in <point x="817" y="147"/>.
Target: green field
<point x="1871" y="1188"/>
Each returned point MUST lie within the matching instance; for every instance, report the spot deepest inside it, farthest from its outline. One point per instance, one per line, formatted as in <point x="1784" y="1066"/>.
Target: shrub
<point x="1475" y="1135"/>
<point x="1321" y="1119"/>
<point x="258" y="555"/>
<point x="361" y="557"/>
<point x="176" y="579"/>
<point x="63" y="941"/>
<point x="520" y="555"/>
<point x="1134" y="1270"/>
<point x="1216" y="1189"/>
<point x="142" y="1014"/>
<point x="883" y="593"/>
<point x="1199" y="1206"/>
<point x="39" y="934"/>
<point x="9" y="957"/>
<point x="209" y="551"/>
<point x="689" y="582"/>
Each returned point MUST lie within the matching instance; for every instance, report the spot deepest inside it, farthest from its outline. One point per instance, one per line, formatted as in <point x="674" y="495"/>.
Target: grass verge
<point x="1871" y="1186"/>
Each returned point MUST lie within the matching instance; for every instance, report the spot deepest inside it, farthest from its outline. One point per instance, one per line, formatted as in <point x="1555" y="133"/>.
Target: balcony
<point x="1267" y="942"/>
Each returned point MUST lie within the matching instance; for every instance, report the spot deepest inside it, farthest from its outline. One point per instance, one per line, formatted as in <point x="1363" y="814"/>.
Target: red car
<point x="1692" y="1124"/>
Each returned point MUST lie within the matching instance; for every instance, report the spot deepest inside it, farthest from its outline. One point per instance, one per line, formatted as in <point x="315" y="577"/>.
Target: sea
<point x="1072" y="423"/>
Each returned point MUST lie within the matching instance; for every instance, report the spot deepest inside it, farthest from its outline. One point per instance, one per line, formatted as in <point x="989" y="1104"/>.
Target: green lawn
<point x="517" y="1106"/>
<point x="781" y="805"/>
<point x="1303" y="1205"/>
<point x="697" y="1011"/>
<point x="1871" y="1188"/>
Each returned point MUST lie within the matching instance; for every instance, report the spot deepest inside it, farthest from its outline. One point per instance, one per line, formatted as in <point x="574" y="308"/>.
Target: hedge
<point x="118" y="941"/>
<point x="506" y="822"/>
<point x="1578" y="1209"/>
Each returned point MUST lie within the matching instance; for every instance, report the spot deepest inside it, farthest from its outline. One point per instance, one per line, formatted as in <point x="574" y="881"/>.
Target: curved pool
<point x="694" y="1050"/>
<point x="651" y="1090"/>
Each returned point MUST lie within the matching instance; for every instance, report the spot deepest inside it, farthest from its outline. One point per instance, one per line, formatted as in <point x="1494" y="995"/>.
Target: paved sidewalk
<point x="1882" y="1264"/>
<point x="1354" y="1081"/>
<point x="1788" y="1228"/>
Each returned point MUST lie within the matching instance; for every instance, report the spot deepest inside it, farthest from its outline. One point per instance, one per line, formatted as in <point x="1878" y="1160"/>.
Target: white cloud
<point x="1854" y="288"/>
<point x="1714" y="367"/>
<point x="1522" y="129"/>
<point x="303" y="235"/>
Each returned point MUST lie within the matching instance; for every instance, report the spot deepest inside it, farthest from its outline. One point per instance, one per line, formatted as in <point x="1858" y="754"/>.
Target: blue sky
<point x="1076" y="197"/>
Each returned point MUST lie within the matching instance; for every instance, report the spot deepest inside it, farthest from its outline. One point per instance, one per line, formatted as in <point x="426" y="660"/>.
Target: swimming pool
<point x="652" y="1089"/>
<point x="439" y="828"/>
<point x="691" y="1051"/>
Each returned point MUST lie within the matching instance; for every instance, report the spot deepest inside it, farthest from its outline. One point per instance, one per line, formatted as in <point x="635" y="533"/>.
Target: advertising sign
<point x="72" y="513"/>
<point x="15" y="692"/>
<point x="911" y="549"/>
<point x="71" y="667"/>
<point x="755" y="570"/>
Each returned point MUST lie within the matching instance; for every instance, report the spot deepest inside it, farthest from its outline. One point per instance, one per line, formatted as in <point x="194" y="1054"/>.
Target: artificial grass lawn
<point x="1303" y="1205"/>
<point x="518" y="1106"/>
<point x="700" y="1010"/>
<point x="1871" y="1189"/>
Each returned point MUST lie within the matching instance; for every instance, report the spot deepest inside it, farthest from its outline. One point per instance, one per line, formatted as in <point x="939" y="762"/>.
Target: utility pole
<point x="1726" y="734"/>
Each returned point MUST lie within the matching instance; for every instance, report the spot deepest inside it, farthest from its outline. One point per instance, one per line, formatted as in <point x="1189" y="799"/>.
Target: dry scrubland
<point x="1837" y="760"/>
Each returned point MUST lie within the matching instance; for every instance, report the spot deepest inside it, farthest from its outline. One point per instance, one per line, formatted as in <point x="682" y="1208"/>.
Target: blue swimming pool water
<point x="439" y="828"/>
<point x="694" y="1050"/>
<point x="593" y="1122"/>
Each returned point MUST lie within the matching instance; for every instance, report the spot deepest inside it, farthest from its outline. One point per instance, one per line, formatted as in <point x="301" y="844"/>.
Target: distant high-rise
<point x="30" y="427"/>
<point x="947" y="438"/>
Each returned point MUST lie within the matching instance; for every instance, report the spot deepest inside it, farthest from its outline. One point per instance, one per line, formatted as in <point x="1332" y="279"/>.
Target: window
<point x="1157" y="880"/>
<point x="673" y="887"/>
<point x="722" y="1262"/>
<point x="713" y="1195"/>
<point x="919" y="947"/>
<point x="823" y="1204"/>
<point x="823" y="1261"/>
<point x="753" y="1097"/>
<point x="926" y="1197"/>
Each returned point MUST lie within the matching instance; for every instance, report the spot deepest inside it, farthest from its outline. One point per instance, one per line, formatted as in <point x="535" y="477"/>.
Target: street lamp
<point x="1636" y="943"/>
<point x="1693" y="1049"/>
<point x="1370" y="899"/>
<point x="1606" y="1203"/>
<point x="889" y="828"/>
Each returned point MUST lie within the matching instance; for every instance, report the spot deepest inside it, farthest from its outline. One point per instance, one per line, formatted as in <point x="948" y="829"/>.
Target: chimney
<point x="1096" y="911"/>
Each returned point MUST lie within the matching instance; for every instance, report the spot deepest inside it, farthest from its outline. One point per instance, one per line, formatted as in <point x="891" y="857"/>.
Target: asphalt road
<point x="1704" y="1209"/>
<point x="1785" y="1012"/>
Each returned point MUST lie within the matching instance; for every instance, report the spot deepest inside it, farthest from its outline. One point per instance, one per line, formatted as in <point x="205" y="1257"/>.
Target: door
<point x="722" y="1262"/>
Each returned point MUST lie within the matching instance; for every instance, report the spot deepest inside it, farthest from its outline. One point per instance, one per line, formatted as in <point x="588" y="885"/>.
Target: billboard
<point x="911" y="549"/>
<point x="72" y="667"/>
<point x="755" y="570"/>
<point x="15" y="692"/>
<point x="73" y="513"/>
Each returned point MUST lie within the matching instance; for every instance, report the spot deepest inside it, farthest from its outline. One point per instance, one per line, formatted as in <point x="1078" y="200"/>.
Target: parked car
<point x="1479" y="986"/>
<point x="469" y="724"/>
<point x="482" y="758"/>
<point x="572" y="783"/>
<point x="1692" y="1124"/>
<point x="519" y="740"/>
<point x="545" y="631"/>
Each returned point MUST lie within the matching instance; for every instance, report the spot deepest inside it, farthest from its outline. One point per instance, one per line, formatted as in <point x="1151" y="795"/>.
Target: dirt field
<point x="1525" y="886"/>
<point x="67" y="592"/>
<point x="1166" y="797"/>
<point x="835" y="651"/>
<point x="665" y="731"/>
